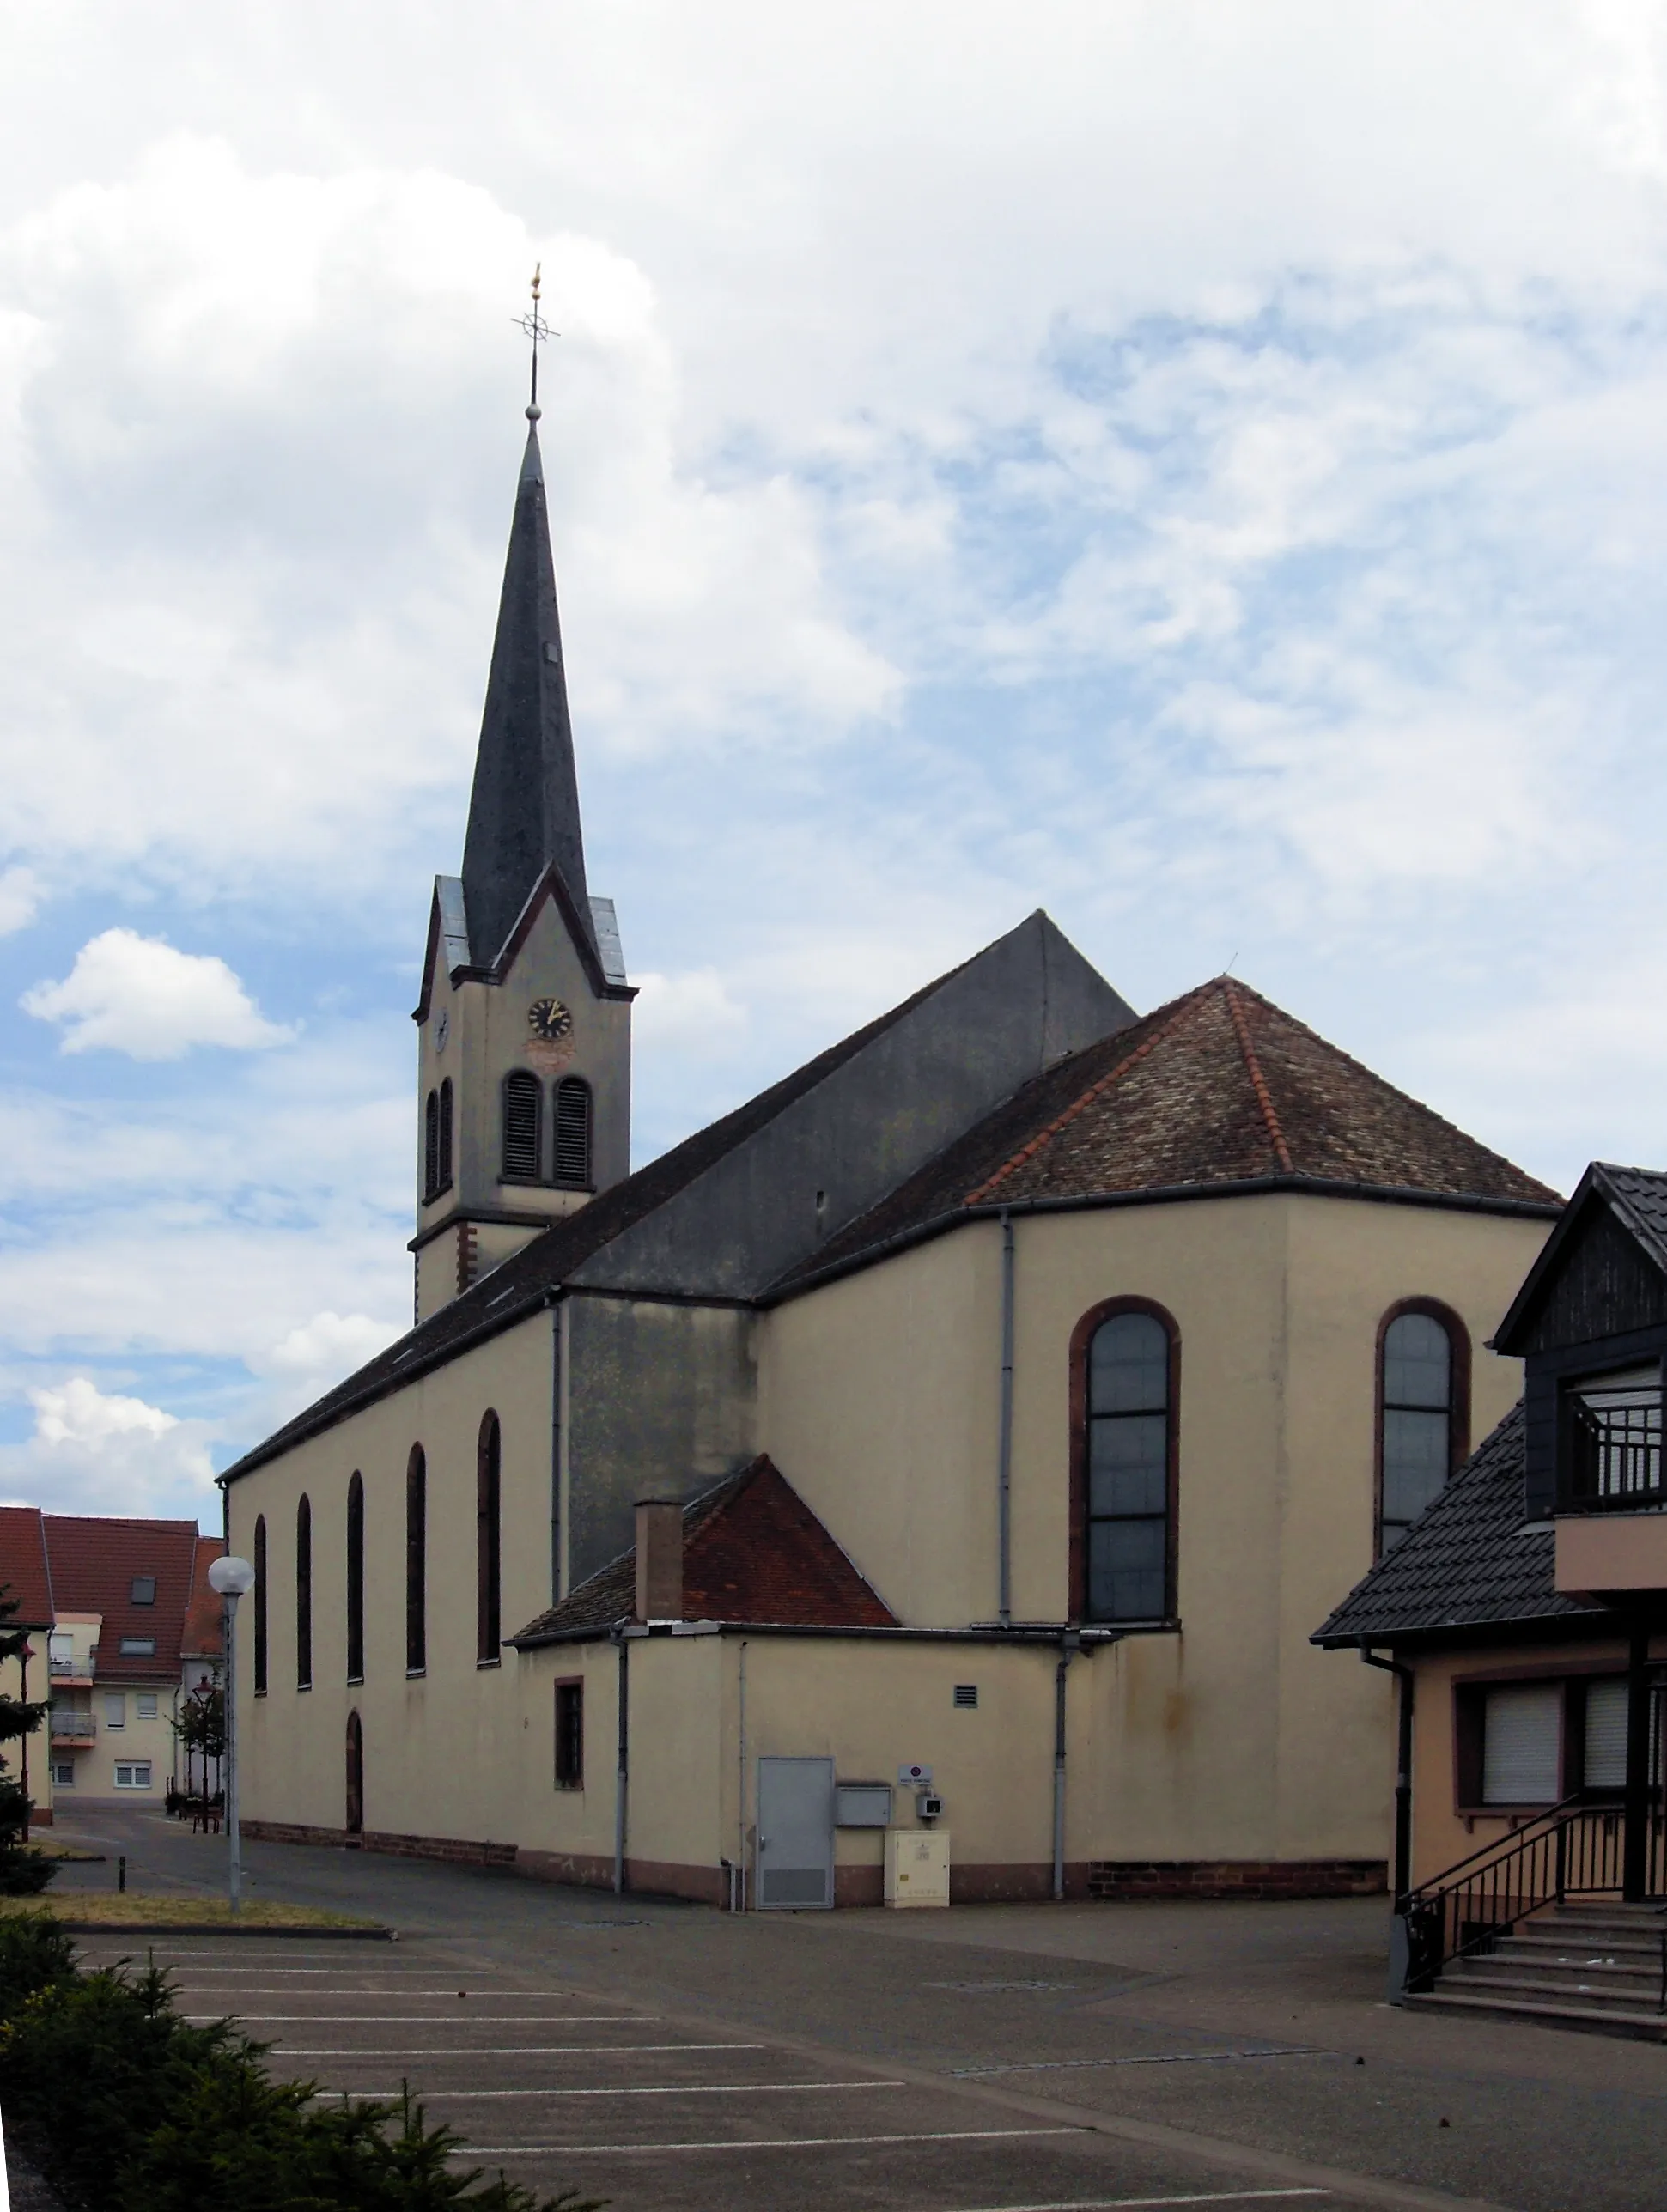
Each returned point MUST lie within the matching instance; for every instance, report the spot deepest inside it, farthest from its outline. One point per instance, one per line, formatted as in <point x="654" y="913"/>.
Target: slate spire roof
<point x="1220" y="1089"/>
<point x="524" y="808"/>
<point x="753" y="1552"/>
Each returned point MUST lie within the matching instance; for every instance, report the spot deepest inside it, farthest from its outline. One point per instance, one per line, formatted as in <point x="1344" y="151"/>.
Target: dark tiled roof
<point x="1218" y="1087"/>
<point x="1640" y="1196"/>
<point x="23" y="1569"/>
<point x="522" y="1283"/>
<point x="1635" y="1197"/>
<point x="205" y="1633"/>
<point x="752" y="1551"/>
<point x="1466" y="1562"/>
<point x="94" y="1565"/>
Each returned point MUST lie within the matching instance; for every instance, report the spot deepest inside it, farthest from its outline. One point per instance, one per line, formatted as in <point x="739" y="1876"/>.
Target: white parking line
<point x="430" y="2019"/>
<point x="1129" y="2203"/>
<point x="452" y="1993"/>
<point x="540" y="2050"/>
<point x="764" y="2142"/>
<point x="1153" y="2058"/>
<point x="674" y="2089"/>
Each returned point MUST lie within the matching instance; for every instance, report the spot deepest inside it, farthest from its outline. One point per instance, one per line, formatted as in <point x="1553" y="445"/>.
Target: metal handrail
<point x="1574" y="1848"/>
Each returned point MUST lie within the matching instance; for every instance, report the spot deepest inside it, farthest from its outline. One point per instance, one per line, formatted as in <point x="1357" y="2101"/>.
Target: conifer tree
<point x="22" y="1872"/>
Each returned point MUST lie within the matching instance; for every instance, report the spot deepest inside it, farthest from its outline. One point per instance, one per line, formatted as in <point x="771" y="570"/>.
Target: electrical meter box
<point x="916" y="1866"/>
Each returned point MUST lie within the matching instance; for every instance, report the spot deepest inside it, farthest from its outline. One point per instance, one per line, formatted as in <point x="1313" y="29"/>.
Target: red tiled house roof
<point x="23" y="1568"/>
<point x="752" y="1551"/>
<point x="205" y="1635"/>
<point x="1220" y="1087"/>
<point x="94" y="1564"/>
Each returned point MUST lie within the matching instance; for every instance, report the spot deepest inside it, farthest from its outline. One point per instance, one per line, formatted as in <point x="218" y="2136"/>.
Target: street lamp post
<point x="233" y="1579"/>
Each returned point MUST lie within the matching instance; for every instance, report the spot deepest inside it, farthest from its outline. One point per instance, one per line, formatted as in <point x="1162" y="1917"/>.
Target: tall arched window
<point x="416" y="1562"/>
<point x="523" y="1103"/>
<point x="1423" y="1411"/>
<point x="304" y="1594"/>
<point x="445" y="1145"/>
<point x="489" y="1453"/>
<point x="573" y="1132"/>
<point x="356" y="1578"/>
<point x="260" y="1604"/>
<point x="356" y="1775"/>
<point x="431" y="1145"/>
<point x="1125" y="1375"/>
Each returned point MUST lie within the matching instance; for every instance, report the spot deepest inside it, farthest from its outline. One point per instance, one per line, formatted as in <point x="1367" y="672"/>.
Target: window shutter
<point x="431" y="1145"/>
<point x="1605" y="1765"/>
<point x="445" y="1145"/>
<point x="573" y="1131"/>
<point x="521" y="1098"/>
<point x="1522" y="1738"/>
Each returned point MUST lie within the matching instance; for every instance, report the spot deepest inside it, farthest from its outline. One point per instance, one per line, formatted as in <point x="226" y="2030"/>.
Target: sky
<point x="1196" y="468"/>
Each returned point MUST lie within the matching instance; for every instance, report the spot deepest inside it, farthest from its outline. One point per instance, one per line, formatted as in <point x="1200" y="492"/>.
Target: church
<point x="931" y="1471"/>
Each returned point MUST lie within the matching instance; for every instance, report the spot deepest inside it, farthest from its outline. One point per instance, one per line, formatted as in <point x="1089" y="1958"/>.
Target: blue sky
<point x="1196" y="469"/>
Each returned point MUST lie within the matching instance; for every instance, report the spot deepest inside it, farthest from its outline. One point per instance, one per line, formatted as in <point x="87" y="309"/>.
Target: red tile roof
<point x="1218" y="1087"/>
<point x="23" y="1565"/>
<point x="752" y="1551"/>
<point x="204" y="1634"/>
<point x="94" y="1564"/>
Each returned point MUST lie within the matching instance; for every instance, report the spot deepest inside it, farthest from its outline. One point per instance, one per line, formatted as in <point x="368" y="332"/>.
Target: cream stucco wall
<point x="442" y="1752"/>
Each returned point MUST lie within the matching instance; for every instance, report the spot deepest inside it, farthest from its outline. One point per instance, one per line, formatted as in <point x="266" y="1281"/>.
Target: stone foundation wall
<point x="1247" y="1878"/>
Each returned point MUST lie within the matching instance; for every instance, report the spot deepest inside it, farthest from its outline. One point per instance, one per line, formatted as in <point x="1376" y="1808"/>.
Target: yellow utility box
<point x="916" y="1866"/>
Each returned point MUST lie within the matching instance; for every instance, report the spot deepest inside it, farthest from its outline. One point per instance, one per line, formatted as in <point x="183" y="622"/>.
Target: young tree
<point x="201" y="1730"/>
<point x="22" y="1871"/>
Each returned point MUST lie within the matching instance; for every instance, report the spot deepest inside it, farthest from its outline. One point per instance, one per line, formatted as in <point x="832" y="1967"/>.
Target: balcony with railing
<point x="69" y="1726"/>
<point x="75" y="1666"/>
<point x="1611" y="1498"/>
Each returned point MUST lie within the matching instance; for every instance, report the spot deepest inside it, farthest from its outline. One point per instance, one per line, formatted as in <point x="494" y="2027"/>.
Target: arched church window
<point x="431" y="1145"/>
<point x="1125" y="1363"/>
<point x="304" y="1594"/>
<point x="260" y="1604"/>
<point x="356" y="1578"/>
<point x="489" y="1461"/>
<point x="573" y="1132"/>
<point x="416" y="1562"/>
<point x="523" y="1102"/>
<point x="445" y="1145"/>
<point x="1423" y="1411"/>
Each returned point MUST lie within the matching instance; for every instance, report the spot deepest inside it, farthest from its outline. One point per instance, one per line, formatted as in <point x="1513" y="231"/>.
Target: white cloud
<point x="141" y="996"/>
<point x="692" y="1011"/>
<point x="311" y="1357"/>
<point x="19" y="897"/>
<point x="98" y="1452"/>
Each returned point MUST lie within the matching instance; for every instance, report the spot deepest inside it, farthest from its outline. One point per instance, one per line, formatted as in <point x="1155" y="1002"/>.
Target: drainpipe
<point x="1004" y="1523"/>
<point x="621" y="1772"/>
<point x="741" y="1795"/>
<point x="1403" y="1674"/>
<point x="1069" y="1644"/>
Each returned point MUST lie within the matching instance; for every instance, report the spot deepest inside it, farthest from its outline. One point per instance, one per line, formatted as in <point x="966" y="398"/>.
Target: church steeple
<point x="524" y="809"/>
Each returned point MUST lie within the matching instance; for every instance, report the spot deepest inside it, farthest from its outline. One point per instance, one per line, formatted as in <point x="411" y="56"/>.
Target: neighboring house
<point x="1003" y="1394"/>
<point x="133" y="1630"/>
<point x="1526" y="1610"/>
<point x="28" y="1580"/>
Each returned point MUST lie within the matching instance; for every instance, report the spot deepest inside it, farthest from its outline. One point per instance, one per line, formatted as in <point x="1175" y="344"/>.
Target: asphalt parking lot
<point x="993" y="2059"/>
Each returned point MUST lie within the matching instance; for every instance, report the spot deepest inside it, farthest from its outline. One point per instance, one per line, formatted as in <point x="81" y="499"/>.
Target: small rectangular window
<point x="63" y="1774"/>
<point x="138" y="1647"/>
<point x="115" y="1710"/>
<point x="143" y="1591"/>
<point x="132" y="1774"/>
<point x="145" y="1705"/>
<point x="966" y="1694"/>
<point x="570" y="1736"/>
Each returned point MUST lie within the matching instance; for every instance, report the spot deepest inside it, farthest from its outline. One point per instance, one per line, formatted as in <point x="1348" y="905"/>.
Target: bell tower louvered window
<point x="443" y="1148"/>
<point x="523" y="1100"/>
<point x="573" y="1132"/>
<point x="431" y="1145"/>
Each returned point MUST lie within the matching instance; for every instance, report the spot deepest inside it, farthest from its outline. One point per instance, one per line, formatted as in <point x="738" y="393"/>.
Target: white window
<point x="115" y="1710"/>
<point x="132" y="1774"/>
<point x="145" y="1705"/>
<point x="1521" y="1741"/>
<point x="63" y="1774"/>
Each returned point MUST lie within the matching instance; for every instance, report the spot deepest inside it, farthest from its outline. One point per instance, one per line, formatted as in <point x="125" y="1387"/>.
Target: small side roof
<point x="753" y="1553"/>
<point x="1219" y="1089"/>
<point x="24" y="1570"/>
<point x="1472" y="1561"/>
<point x="1634" y="1197"/>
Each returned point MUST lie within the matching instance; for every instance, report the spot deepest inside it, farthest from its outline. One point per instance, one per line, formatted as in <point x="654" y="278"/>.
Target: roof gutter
<point x="1030" y="1634"/>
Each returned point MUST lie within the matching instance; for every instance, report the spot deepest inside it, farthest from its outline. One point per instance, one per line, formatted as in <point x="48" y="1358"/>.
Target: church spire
<point x="524" y="808"/>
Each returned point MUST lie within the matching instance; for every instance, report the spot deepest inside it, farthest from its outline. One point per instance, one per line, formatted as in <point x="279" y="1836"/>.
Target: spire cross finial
<point x="540" y="333"/>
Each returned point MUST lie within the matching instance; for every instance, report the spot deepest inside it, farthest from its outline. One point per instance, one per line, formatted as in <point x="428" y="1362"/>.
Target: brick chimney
<point x="658" y="1559"/>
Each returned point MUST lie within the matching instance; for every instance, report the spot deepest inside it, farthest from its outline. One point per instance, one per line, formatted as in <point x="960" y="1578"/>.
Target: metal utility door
<point x="795" y="1834"/>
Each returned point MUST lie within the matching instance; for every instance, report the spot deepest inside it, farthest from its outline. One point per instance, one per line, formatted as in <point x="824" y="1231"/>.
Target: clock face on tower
<point x="549" y="1020"/>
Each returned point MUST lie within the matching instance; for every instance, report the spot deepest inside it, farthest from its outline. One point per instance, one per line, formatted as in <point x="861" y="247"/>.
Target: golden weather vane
<point x="540" y="333"/>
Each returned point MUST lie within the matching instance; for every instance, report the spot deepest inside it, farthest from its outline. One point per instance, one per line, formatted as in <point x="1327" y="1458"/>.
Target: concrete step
<point x="1619" y="1997"/>
<point x="1532" y="1939"/>
<point x="1590" y="2020"/>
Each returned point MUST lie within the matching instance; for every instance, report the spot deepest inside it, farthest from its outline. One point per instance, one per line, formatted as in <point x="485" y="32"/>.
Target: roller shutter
<point x="1521" y="1743"/>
